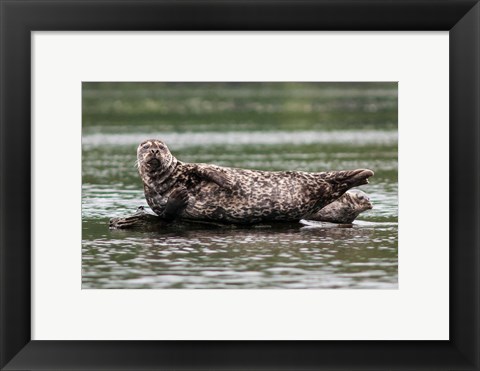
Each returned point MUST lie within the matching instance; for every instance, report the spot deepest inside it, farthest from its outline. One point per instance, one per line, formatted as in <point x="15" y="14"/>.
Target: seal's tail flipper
<point x="354" y="178"/>
<point x="342" y="181"/>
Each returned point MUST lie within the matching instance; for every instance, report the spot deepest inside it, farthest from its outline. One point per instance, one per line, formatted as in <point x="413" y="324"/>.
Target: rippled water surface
<point x="308" y="127"/>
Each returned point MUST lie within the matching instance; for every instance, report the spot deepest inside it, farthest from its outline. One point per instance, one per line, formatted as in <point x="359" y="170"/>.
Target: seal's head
<point x="345" y="209"/>
<point x="155" y="162"/>
<point x="153" y="156"/>
<point x="360" y="200"/>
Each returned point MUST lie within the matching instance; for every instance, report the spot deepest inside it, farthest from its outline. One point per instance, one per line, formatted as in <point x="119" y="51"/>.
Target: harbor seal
<point x="345" y="209"/>
<point x="195" y="191"/>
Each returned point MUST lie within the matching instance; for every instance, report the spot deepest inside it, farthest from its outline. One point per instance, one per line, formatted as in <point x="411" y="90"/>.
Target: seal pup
<point x="345" y="209"/>
<point x="174" y="189"/>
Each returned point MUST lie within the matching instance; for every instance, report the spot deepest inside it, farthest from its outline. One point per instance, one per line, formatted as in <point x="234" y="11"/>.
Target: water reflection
<point x="277" y="257"/>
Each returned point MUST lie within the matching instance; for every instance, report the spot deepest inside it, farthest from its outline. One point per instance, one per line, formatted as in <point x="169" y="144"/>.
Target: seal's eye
<point x="146" y="146"/>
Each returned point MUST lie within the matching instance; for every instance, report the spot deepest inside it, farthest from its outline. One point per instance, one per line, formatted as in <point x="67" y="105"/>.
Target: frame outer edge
<point x="15" y="183"/>
<point x="465" y="180"/>
<point x="15" y="276"/>
<point x="3" y="337"/>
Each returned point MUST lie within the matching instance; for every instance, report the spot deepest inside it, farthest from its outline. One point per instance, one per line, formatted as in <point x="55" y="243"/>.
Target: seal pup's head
<point x="154" y="157"/>
<point x="358" y="199"/>
<point x="345" y="209"/>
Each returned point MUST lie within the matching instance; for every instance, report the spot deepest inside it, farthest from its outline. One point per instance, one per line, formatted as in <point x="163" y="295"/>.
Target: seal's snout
<point x="153" y="156"/>
<point x="153" y="162"/>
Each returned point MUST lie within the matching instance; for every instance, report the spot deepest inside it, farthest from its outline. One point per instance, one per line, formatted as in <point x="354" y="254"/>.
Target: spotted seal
<point x="195" y="191"/>
<point x="345" y="209"/>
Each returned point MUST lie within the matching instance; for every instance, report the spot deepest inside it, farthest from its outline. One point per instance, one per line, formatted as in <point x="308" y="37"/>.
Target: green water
<point x="268" y="126"/>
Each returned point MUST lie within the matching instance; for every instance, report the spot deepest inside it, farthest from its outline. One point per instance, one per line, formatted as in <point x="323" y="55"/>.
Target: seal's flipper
<point x="216" y="175"/>
<point x="177" y="202"/>
<point x="359" y="177"/>
<point x="344" y="180"/>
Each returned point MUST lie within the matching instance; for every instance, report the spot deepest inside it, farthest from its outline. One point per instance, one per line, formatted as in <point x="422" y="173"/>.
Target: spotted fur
<point x="345" y="209"/>
<point x="174" y="189"/>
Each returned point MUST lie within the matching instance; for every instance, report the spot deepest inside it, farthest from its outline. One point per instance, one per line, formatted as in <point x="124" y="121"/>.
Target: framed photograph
<point x="246" y="185"/>
<point x="287" y="131"/>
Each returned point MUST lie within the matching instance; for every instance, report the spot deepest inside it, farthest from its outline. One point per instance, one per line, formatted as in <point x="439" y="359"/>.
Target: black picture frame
<point x="18" y="18"/>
